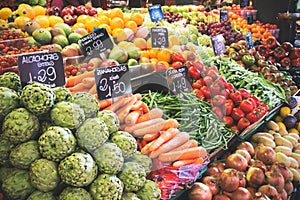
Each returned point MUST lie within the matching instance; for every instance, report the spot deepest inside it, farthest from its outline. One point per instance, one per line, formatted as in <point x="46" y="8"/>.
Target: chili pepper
<point x="287" y="46"/>
<point x="228" y="121"/>
<point x="236" y="96"/>
<point x="228" y="106"/>
<point x="272" y="43"/>
<point x="176" y="64"/>
<point x="296" y="62"/>
<point x="218" y="100"/>
<point x="243" y="123"/>
<point x="237" y="114"/>
<point x="176" y="56"/>
<point x="285" y="62"/>
<point x="194" y="73"/>
<point x="295" y="53"/>
<point x="279" y="53"/>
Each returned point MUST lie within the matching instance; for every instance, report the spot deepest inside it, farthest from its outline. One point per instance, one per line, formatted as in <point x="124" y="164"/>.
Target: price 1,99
<point x="113" y="81"/>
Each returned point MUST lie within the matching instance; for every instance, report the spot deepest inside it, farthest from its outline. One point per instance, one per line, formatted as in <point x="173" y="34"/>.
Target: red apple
<point x="68" y="10"/>
<point x="81" y="10"/>
<point x="69" y="19"/>
<point x="92" y="11"/>
<point x="54" y="10"/>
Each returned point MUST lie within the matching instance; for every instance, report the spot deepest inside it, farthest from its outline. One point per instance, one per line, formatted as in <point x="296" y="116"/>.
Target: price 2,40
<point x="117" y="87"/>
<point x="43" y="75"/>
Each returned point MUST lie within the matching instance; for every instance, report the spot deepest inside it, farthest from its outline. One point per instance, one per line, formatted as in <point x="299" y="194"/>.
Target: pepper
<point x="198" y="65"/>
<point x="262" y="50"/>
<point x="219" y="100"/>
<point x="228" y="121"/>
<point x="176" y="64"/>
<point x="295" y="53"/>
<point x="236" y="97"/>
<point x="248" y="60"/>
<point x="285" y="62"/>
<point x="287" y="46"/>
<point x="194" y="73"/>
<point x="214" y="89"/>
<point x="176" y="56"/>
<point x="243" y="123"/>
<point x="279" y="53"/>
<point x="296" y="62"/>
<point x="272" y="43"/>
<point x="228" y="106"/>
<point x="271" y="59"/>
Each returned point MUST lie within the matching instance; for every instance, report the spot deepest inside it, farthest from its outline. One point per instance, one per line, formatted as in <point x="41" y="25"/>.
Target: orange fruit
<point x="116" y="12"/>
<point x="5" y="13"/>
<point x="132" y="25"/>
<point x="78" y="25"/>
<point x="53" y="20"/>
<point x="82" y="18"/>
<point x="43" y="20"/>
<point x="164" y="55"/>
<point x="138" y="18"/>
<point x="107" y="27"/>
<point x="153" y="53"/>
<point x="39" y="10"/>
<point x="116" y="23"/>
<point x="144" y="54"/>
<point x="103" y="19"/>
<point x="91" y="23"/>
<point x="21" y="21"/>
<point x="126" y="17"/>
<point x="119" y="34"/>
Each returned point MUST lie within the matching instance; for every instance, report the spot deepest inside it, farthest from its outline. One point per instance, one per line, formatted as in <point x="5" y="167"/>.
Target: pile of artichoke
<point x="55" y="145"/>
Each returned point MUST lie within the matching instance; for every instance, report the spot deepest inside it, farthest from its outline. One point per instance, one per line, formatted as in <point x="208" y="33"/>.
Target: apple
<point x="69" y="51"/>
<point x="92" y="11"/>
<point x="68" y="10"/>
<point x="69" y="19"/>
<point x="81" y="10"/>
<point x="54" y="10"/>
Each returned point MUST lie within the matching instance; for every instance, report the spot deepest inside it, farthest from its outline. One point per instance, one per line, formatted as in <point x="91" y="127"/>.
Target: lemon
<point x="5" y="13"/>
<point x="278" y="118"/>
<point x="298" y="126"/>
<point x="285" y="111"/>
<point x="293" y="130"/>
<point x="281" y="125"/>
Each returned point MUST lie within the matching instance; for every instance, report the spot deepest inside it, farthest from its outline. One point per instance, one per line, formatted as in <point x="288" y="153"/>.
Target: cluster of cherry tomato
<point x="11" y="34"/>
<point x="237" y="108"/>
<point x="74" y="70"/>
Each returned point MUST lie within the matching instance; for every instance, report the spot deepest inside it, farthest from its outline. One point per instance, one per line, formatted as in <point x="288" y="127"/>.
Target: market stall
<point x="163" y="102"/>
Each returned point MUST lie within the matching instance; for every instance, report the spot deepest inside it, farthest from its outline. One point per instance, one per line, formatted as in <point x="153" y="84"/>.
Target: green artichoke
<point x="150" y="191"/>
<point x="111" y="120"/>
<point x="72" y="193"/>
<point x="11" y="80"/>
<point x="129" y="196"/>
<point x="38" y="195"/>
<point x="9" y="100"/>
<point x="62" y="94"/>
<point x="143" y="160"/>
<point x="87" y="102"/>
<point x="126" y="142"/>
<point x="5" y="148"/>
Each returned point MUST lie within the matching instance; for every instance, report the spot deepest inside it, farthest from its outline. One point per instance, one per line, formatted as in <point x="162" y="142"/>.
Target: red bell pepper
<point x="176" y="64"/>
<point x="285" y="62"/>
<point x="204" y="89"/>
<point x="287" y="46"/>
<point x="228" y="121"/>
<point x="246" y="106"/>
<point x="279" y="53"/>
<point x="262" y="50"/>
<point x="176" y="56"/>
<point x="194" y="73"/>
<point x="296" y="62"/>
<point x="198" y="65"/>
<point x="295" y="53"/>
<point x="245" y="93"/>
<point x="218" y="112"/>
<point x="218" y="100"/>
<point x="228" y="106"/>
<point x="236" y="96"/>
<point x="272" y="43"/>
<point x="214" y="89"/>
<point x="271" y="58"/>
<point x="243" y="123"/>
<point x="237" y="114"/>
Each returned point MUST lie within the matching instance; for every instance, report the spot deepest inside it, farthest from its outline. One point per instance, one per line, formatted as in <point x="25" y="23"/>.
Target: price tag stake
<point x="46" y="68"/>
<point x="159" y="38"/>
<point x="113" y="81"/>
<point x="178" y="80"/>
<point x="249" y="41"/>
<point x="155" y="13"/>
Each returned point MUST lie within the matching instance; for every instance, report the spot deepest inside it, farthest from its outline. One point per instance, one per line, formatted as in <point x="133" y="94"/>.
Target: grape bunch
<point x="170" y="17"/>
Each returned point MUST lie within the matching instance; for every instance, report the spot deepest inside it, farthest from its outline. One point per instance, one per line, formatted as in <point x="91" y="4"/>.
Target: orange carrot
<point x="77" y="88"/>
<point x="175" y="142"/>
<point x="93" y="90"/>
<point x="143" y="142"/>
<point x="189" y="144"/>
<point x="152" y="114"/>
<point x="104" y="103"/>
<point x="144" y="107"/>
<point x="151" y="136"/>
<point x="89" y="82"/>
<point x="186" y="154"/>
<point x="123" y="112"/>
<point x="139" y="144"/>
<point x="163" y="138"/>
<point x="137" y="106"/>
<point x="145" y="124"/>
<point x="73" y="80"/>
<point x="118" y="104"/>
<point x="132" y="117"/>
<point x="145" y="149"/>
<point x="163" y="125"/>
<point x="198" y="161"/>
<point x="180" y="163"/>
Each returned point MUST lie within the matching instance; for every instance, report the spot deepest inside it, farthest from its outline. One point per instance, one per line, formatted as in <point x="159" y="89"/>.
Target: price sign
<point x="96" y="42"/>
<point x="249" y="41"/>
<point x="178" y="80"/>
<point x="112" y="81"/>
<point x="46" y="68"/>
<point x="218" y="44"/>
<point x="223" y="15"/>
<point x="155" y="12"/>
<point x="159" y="38"/>
<point x="244" y="3"/>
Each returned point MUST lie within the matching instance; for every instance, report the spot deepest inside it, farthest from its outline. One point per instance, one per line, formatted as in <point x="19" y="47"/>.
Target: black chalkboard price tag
<point x="159" y="38"/>
<point x="96" y="42"/>
<point x="155" y="13"/>
<point x="223" y="15"/>
<point x="178" y="80"/>
<point x="249" y="41"/>
<point x="113" y="81"/>
<point x="218" y="44"/>
<point x="46" y="68"/>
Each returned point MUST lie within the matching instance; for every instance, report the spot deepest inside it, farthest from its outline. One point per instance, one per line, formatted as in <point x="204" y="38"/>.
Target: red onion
<point x="275" y="178"/>
<point x="289" y="187"/>
<point x="200" y="191"/>
<point x="219" y="165"/>
<point x="244" y="153"/>
<point x="247" y="146"/>
<point x="283" y="195"/>
<point x="239" y="193"/>
<point x="221" y="197"/>
<point x="265" y="154"/>
<point x="252" y="190"/>
<point x="283" y="169"/>
<point x="212" y="183"/>
<point x="259" y="164"/>
<point x="255" y="177"/>
<point x="260" y="196"/>
<point x="269" y="191"/>
<point x="242" y="182"/>
<point x="212" y="171"/>
<point x="229" y="180"/>
<point x="236" y="161"/>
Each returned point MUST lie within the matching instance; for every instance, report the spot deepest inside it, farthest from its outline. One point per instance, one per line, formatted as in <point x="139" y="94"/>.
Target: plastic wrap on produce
<point x="172" y="180"/>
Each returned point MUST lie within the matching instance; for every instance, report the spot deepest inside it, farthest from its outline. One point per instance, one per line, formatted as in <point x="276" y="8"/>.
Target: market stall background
<point x="226" y="96"/>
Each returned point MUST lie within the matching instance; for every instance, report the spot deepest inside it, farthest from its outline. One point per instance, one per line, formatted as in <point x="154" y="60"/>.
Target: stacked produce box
<point x="70" y="142"/>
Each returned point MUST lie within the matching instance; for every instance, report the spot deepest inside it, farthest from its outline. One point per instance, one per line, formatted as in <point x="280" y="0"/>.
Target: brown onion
<point x="259" y="164"/>
<point x="289" y="187"/>
<point x="212" y="183"/>
<point x="236" y="161"/>
<point x="275" y="178"/>
<point x="212" y="171"/>
<point x="283" y="169"/>
<point x="247" y="146"/>
<point x="283" y="195"/>
<point x="265" y="154"/>
<point x="244" y="153"/>
<point x="221" y="197"/>
<point x="255" y="177"/>
<point x="219" y="165"/>
<point x="239" y="193"/>
<point x="200" y="191"/>
<point x="269" y="191"/>
<point x="229" y="180"/>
